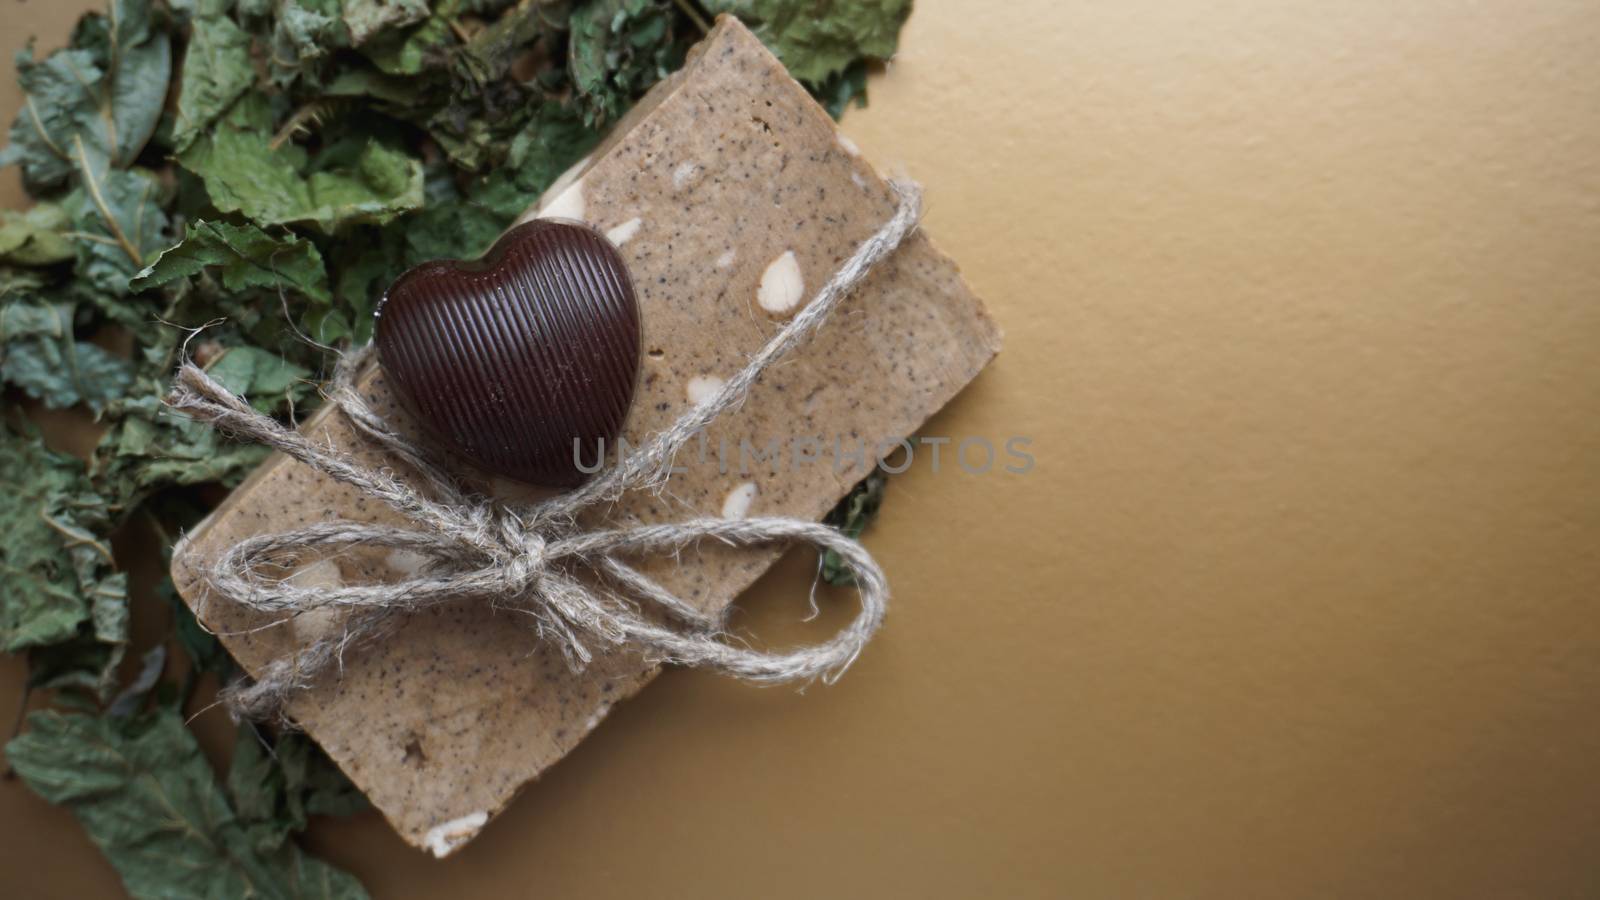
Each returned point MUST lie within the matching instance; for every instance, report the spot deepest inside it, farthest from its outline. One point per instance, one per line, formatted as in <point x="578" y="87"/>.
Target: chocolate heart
<point x="515" y="358"/>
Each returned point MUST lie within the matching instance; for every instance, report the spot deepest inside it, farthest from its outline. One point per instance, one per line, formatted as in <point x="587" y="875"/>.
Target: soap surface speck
<point x="702" y="386"/>
<point x="623" y="233"/>
<point x="568" y="204"/>
<point x="737" y="503"/>
<point x="317" y="623"/>
<point x="444" y="839"/>
<point x="406" y="563"/>
<point x="781" y="284"/>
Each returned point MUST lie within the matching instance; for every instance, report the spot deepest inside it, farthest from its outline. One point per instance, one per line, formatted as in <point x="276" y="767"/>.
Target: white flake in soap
<point x="726" y="259"/>
<point x="443" y="839"/>
<point x="556" y="189"/>
<point x="848" y="145"/>
<point x="737" y="504"/>
<point x="683" y="174"/>
<point x="594" y="719"/>
<point x="323" y="573"/>
<point x="781" y="284"/>
<point x="406" y="563"/>
<point x="566" y="205"/>
<point x="702" y="386"/>
<point x="316" y="623"/>
<point x="623" y="233"/>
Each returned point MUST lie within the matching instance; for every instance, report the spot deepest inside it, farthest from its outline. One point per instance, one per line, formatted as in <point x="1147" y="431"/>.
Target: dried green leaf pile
<point x="263" y="168"/>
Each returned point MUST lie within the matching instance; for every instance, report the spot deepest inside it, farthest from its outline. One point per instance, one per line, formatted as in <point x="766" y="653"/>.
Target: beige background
<point x="1303" y="314"/>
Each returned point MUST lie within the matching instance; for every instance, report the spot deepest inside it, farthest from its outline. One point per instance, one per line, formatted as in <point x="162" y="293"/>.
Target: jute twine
<point x="574" y="582"/>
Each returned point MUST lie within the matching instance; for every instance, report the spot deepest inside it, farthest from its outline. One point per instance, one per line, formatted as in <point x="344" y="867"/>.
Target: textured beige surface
<point x="1302" y="302"/>
<point x="724" y="170"/>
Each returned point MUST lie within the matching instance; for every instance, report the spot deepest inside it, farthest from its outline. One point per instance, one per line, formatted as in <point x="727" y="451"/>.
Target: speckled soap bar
<point x="731" y="198"/>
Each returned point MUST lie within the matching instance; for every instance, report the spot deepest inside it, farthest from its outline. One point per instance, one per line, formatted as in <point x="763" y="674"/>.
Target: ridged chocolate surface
<point x="511" y="358"/>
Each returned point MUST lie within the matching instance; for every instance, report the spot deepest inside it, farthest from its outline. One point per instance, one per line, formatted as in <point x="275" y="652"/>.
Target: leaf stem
<point x="694" y="15"/>
<point x="301" y="120"/>
<point x="38" y="126"/>
<point x="86" y="236"/>
<point x="75" y="538"/>
<point x="100" y="204"/>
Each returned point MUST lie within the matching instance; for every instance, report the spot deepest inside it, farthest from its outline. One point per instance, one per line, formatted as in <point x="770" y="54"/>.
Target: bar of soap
<point x="731" y="198"/>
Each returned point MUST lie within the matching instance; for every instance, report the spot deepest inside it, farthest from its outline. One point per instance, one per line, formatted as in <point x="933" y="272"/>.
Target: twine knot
<point x="522" y="558"/>
<point x="578" y="584"/>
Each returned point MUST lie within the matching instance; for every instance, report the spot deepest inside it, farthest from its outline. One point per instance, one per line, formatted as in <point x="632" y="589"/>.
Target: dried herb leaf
<point x="367" y="18"/>
<point x="304" y="32"/>
<point x="843" y="89"/>
<point x="271" y="382"/>
<point x="817" y="39"/>
<point x="119" y="217"/>
<point x="146" y="795"/>
<point x="357" y="180"/>
<point x="104" y="92"/>
<point x="55" y="565"/>
<point x="216" y="71"/>
<point x="85" y="663"/>
<point x="365" y="263"/>
<point x="619" y="48"/>
<point x="147" y="449"/>
<point x="419" y="49"/>
<point x="40" y="355"/>
<point x="276" y="786"/>
<point x="462" y="224"/>
<point x="36" y="237"/>
<point x="130" y="698"/>
<point x="852" y="515"/>
<point x="245" y="257"/>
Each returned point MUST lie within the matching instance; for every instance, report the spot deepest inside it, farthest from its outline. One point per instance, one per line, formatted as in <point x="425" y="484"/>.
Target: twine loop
<point x="576" y="583"/>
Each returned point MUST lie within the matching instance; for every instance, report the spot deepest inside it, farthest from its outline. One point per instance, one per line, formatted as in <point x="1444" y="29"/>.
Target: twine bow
<point x="573" y="581"/>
